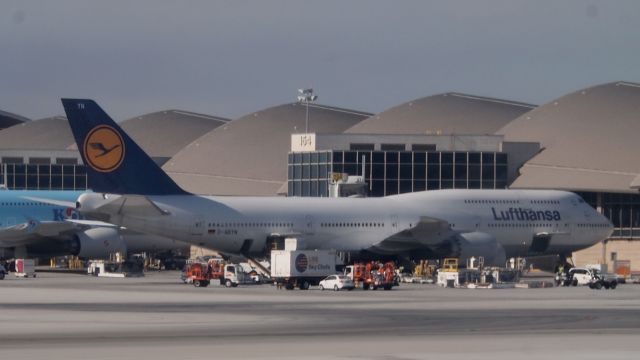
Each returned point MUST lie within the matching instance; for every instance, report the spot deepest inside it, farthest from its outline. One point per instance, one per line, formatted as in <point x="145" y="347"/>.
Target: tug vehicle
<point x="373" y="275"/>
<point x="196" y="274"/>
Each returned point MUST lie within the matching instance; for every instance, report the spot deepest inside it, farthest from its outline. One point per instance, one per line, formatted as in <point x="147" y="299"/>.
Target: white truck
<point x="302" y="268"/>
<point x="234" y="275"/>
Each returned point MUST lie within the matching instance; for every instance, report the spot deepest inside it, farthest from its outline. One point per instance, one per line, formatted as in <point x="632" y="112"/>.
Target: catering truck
<point x="293" y="267"/>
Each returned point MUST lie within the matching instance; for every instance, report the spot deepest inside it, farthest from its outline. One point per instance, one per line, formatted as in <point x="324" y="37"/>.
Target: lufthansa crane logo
<point x="104" y="148"/>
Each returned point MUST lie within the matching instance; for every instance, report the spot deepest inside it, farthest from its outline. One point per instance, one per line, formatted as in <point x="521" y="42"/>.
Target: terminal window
<point x="396" y="172"/>
<point x="622" y="209"/>
<point x="44" y="176"/>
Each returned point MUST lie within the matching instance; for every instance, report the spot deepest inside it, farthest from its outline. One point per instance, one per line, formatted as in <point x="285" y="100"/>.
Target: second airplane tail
<point x="115" y="163"/>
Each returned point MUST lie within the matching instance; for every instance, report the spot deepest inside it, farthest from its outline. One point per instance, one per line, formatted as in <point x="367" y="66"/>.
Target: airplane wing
<point x="27" y="233"/>
<point x="427" y="232"/>
<point x="34" y="231"/>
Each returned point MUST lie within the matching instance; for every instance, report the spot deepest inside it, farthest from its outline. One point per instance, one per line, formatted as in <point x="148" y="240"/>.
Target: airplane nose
<point x="609" y="228"/>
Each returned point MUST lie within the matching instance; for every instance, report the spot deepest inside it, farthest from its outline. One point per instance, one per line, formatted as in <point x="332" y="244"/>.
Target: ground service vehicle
<point x="373" y="275"/>
<point x="233" y="275"/>
<point x="229" y="275"/>
<point x="579" y="276"/>
<point x="196" y="274"/>
<point x="25" y="268"/>
<point x="599" y="280"/>
<point x="337" y="282"/>
<point x="591" y="277"/>
<point x="201" y="274"/>
<point x="302" y="268"/>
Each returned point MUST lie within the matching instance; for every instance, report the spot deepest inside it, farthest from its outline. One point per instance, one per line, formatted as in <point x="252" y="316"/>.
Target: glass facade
<point x="396" y="172"/>
<point x="309" y="173"/>
<point x="43" y="177"/>
<point x="623" y="210"/>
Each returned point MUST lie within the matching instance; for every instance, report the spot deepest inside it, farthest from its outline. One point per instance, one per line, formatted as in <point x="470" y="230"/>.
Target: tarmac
<point x="70" y="316"/>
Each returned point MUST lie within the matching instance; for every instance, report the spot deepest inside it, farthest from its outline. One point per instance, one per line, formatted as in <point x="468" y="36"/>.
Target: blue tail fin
<point x="115" y="163"/>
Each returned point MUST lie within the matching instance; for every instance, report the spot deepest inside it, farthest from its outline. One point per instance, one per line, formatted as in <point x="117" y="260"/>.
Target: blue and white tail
<point x="115" y="163"/>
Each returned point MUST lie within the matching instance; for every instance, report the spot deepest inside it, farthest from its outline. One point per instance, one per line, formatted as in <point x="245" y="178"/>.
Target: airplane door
<point x="197" y="226"/>
<point x="309" y="228"/>
<point x="393" y="224"/>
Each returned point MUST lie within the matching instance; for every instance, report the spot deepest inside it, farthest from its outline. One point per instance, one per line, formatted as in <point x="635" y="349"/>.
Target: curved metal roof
<point x="51" y="133"/>
<point x="162" y="134"/>
<point x="589" y="140"/>
<point x="8" y="119"/>
<point x="450" y="113"/>
<point x="248" y="156"/>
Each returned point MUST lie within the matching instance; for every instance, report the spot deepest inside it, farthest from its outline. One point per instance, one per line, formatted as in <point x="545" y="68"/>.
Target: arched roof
<point x="51" y="133"/>
<point x="450" y="113"/>
<point x="8" y="119"/>
<point x="589" y="140"/>
<point x="160" y="134"/>
<point x="164" y="133"/>
<point x="248" y="156"/>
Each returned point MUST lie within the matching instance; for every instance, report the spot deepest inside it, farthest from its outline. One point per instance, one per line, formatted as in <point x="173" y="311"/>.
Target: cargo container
<point x="25" y="267"/>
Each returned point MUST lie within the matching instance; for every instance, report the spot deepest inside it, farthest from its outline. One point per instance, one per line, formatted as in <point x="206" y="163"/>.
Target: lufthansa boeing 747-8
<point x="132" y="191"/>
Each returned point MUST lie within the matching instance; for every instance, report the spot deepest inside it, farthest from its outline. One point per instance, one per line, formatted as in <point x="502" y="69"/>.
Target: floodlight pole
<point x="306" y="96"/>
<point x="306" y="118"/>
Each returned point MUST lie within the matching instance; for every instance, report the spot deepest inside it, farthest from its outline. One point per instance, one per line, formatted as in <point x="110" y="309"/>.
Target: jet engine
<point x="478" y="244"/>
<point x="89" y="204"/>
<point x="97" y="243"/>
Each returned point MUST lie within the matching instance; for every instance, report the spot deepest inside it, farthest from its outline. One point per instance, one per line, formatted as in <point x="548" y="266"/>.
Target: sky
<point x="231" y="58"/>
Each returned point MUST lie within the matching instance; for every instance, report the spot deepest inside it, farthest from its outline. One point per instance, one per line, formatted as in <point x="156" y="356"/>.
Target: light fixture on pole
<point x="306" y="96"/>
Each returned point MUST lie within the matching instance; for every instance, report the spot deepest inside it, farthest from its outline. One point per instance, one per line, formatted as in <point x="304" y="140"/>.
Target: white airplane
<point x="36" y="223"/>
<point x="130" y="190"/>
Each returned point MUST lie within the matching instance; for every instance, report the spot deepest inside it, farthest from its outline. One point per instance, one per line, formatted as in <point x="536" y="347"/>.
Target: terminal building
<point x="42" y="154"/>
<point x="396" y="164"/>
<point x="248" y="156"/>
<point x="589" y="145"/>
<point x="582" y="142"/>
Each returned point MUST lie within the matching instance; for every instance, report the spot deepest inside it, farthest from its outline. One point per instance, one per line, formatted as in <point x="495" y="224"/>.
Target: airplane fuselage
<point x="17" y="208"/>
<point x="514" y="218"/>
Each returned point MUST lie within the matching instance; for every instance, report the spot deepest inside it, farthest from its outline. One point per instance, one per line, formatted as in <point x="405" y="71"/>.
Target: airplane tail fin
<point x="115" y="163"/>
